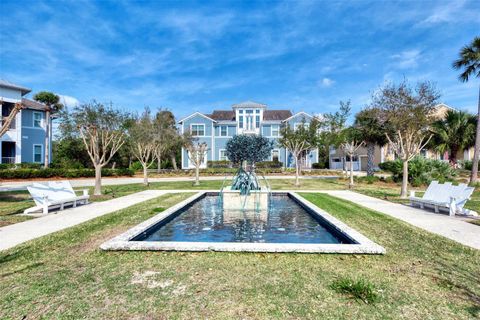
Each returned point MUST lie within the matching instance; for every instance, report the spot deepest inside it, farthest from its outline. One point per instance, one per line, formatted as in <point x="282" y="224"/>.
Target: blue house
<point x="25" y="139"/>
<point x="249" y="117"/>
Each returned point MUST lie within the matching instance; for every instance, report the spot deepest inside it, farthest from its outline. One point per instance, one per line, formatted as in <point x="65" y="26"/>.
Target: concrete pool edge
<point x="363" y="245"/>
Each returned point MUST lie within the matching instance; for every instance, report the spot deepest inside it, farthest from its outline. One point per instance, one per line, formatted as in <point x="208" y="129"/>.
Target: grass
<point x="65" y="275"/>
<point x="13" y="203"/>
<point x="360" y="289"/>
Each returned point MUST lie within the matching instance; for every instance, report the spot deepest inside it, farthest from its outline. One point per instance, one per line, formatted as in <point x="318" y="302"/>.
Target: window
<point x="275" y="130"/>
<point x="223" y="155"/>
<point x="198" y="130"/>
<point x="240" y="111"/>
<point x="275" y="155"/>
<point x="257" y="121"/>
<point x="37" y="119"/>
<point x="257" y="111"/>
<point x="223" y="131"/>
<point x="37" y="153"/>
<point x="240" y="122"/>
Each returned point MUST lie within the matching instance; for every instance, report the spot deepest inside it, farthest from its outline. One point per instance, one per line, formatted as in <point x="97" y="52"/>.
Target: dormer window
<point x="197" y="130"/>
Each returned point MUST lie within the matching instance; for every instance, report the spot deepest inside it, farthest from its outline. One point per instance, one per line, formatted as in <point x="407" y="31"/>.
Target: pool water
<point x="286" y="221"/>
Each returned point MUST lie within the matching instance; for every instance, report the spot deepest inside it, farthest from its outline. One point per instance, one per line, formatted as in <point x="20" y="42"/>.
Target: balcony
<point x="8" y="159"/>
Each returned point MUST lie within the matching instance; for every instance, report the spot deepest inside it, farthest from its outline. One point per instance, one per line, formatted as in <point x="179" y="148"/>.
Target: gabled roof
<point x="249" y="104"/>
<point x="9" y="85"/>
<point x="276" y="115"/>
<point x="30" y="104"/>
<point x="223" y="115"/>
<point x="197" y="114"/>
<point x="440" y="105"/>
<point x="297" y="114"/>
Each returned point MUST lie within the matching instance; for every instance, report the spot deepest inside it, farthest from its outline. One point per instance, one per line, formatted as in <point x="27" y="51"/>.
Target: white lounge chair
<point x="445" y="197"/>
<point x="55" y="195"/>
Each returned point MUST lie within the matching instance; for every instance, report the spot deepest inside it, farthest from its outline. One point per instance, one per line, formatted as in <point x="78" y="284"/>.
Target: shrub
<point x="269" y="164"/>
<point x="60" y="173"/>
<point x="420" y="170"/>
<point x="359" y="289"/>
<point x="219" y="164"/>
<point x="318" y="165"/>
<point x="368" y="179"/>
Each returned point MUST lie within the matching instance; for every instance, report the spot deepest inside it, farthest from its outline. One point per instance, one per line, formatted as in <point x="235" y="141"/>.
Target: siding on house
<point x="219" y="118"/>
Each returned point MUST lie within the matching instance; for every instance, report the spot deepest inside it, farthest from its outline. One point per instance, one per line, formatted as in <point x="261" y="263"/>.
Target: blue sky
<point x="197" y="56"/>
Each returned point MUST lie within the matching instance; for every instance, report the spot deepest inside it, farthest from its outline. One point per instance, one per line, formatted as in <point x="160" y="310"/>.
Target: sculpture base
<point x="256" y="200"/>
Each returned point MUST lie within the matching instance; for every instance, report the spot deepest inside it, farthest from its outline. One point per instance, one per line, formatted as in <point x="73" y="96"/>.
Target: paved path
<point x="449" y="227"/>
<point x="15" y="234"/>
<point x="444" y="225"/>
<point x="22" y="185"/>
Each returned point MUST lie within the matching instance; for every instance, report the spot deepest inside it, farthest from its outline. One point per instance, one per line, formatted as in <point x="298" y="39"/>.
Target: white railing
<point x="8" y="159"/>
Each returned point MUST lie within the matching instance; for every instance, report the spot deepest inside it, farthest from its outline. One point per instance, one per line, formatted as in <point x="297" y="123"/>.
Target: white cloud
<point x="407" y="59"/>
<point x="326" y="82"/>
<point x="68" y="101"/>
<point x="445" y="13"/>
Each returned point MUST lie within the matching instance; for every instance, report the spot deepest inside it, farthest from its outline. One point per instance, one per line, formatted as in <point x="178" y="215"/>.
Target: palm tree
<point x="51" y="101"/>
<point x="372" y="132"/>
<point x="469" y="62"/>
<point x="454" y="133"/>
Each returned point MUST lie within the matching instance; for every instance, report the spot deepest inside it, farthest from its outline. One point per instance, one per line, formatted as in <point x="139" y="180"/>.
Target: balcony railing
<point x="12" y="124"/>
<point x="8" y="159"/>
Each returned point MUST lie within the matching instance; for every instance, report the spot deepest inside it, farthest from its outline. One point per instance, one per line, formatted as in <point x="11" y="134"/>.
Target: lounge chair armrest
<point x="412" y="193"/>
<point x="85" y="192"/>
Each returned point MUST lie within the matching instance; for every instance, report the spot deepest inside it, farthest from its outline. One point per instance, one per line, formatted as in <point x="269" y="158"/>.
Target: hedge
<point x="61" y="173"/>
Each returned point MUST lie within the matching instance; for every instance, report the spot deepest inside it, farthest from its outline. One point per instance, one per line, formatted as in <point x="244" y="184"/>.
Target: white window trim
<point x="198" y="124"/>
<point x="271" y="154"/>
<point x="220" y="155"/>
<point x="278" y="130"/>
<point x="33" y="119"/>
<point x="220" y="133"/>
<point x="41" y="153"/>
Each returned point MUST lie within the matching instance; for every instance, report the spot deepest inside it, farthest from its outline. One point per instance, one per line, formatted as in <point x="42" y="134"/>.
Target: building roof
<point x="249" y="104"/>
<point x="30" y="104"/>
<point x="223" y="115"/>
<point x="276" y="115"/>
<point x="7" y="84"/>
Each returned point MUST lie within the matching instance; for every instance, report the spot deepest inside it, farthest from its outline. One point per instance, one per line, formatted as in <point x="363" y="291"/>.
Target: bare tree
<point x="196" y="154"/>
<point x="6" y="122"/>
<point x="165" y="134"/>
<point x="352" y="141"/>
<point x="102" y="130"/>
<point x="142" y="141"/>
<point x="299" y="141"/>
<point x="408" y="112"/>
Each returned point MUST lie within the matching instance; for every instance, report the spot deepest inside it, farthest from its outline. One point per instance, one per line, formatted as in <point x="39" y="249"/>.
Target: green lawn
<point x="12" y="203"/>
<point x="65" y="275"/>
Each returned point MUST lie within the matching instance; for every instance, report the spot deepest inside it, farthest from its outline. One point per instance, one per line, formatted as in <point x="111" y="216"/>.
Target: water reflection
<point x="284" y="222"/>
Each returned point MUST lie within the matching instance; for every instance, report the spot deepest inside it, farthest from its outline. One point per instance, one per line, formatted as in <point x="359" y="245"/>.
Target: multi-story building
<point x="25" y="139"/>
<point x="249" y="117"/>
<point x="338" y="159"/>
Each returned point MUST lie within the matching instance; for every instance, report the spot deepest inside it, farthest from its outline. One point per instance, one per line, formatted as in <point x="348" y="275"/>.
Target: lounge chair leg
<point x="436" y="209"/>
<point x="45" y="209"/>
<point x="422" y="206"/>
<point x="74" y="204"/>
<point x="61" y="206"/>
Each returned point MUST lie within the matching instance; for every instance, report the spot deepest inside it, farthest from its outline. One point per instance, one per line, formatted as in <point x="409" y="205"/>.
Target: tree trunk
<point x="47" y="139"/>
<point x="98" y="181"/>
<point x="403" y="194"/>
<point x="145" y="174"/>
<point x="370" y="158"/>
<point x="197" y="175"/>
<point x="174" y="162"/>
<point x="159" y="163"/>
<point x="350" y="184"/>
<point x="297" y="170"/>
<point x="453" y="156"/>
<point x="474" y="174"/>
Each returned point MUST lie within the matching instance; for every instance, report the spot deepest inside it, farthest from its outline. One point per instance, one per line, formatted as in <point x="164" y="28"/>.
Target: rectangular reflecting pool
<point x="285" y="221"/>
<point x="290" y="224"/>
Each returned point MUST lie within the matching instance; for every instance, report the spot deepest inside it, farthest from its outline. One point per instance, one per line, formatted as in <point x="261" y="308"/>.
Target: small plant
<point x="359" y="289"/>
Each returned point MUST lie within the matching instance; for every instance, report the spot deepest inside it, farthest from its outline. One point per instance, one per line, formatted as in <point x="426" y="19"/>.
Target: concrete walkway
<point x="15" y="234"/>
<point x="444" y="225"/>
